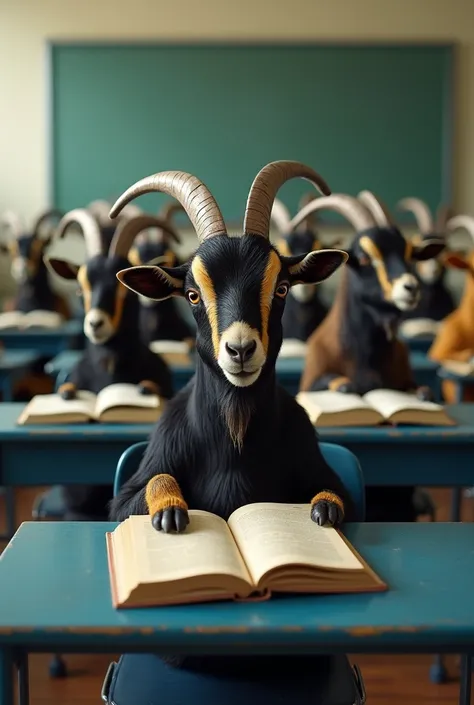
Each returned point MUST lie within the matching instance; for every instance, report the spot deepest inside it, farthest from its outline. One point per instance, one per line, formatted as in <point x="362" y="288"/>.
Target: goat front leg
<point x="327" y="509"/>
<point x="166" y="506"/>
<point x="67" y="391"/>
<point x="334" y="382"/>
<point x="148" y="387"/>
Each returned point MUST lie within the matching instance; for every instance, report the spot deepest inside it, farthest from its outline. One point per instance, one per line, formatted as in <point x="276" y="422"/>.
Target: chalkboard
<point x="375" y="117"/>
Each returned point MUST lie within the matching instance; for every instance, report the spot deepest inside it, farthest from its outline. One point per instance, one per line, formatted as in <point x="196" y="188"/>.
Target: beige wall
<point x="26" y="25"/>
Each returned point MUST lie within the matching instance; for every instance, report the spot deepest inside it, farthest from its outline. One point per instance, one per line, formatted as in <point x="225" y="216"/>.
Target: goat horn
<point x="127" y="230"/>
<point x="379" y="210"/>
<point x="100" y="211"/>
<point x="280" y="215"/>
<point x="197" y="200"/>
<point x="461" y="221"/>
<point x="52" y="214"/>
<point x="443" y="214"/>
<point x="89" y="226"/>
<point x="265" y="187"/>
<point x="11" y="222"/>
<point x="349" y="207"/>
<point x="420" y="210"/>
<point x="170" y="209"/>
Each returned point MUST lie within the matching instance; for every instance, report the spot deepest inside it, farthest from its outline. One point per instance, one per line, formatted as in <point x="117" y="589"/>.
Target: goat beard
<point x="237" y="411"/>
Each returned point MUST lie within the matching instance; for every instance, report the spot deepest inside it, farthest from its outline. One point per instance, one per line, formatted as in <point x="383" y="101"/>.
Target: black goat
<point x="160" y="320"/>
<point x="231" y="436"/>
<point x="304" y="309"/>
<point x="436" y="301"/>
<point x="113" y="353"/>
<point x="356" y="348"/>
<point x="28" y="269"/>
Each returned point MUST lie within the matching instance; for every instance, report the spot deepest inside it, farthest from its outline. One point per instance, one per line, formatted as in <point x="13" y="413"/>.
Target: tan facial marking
<point x="371" y="249"/>
<point x="408" y="251"/>
<point x="272" y="271"/>
<point x="208" y="294"/>
<point x="120" y="296"/>
<point x="316" y="246"/>
<point x="282" y="247"/>
<point x="133" y="257"/>
<point x="84" y="283"/>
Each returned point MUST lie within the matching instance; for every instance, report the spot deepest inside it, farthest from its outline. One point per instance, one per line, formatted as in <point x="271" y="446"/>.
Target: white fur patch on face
<point x="98" y="326"/>
<point x="429" y="270"/>
<point x="19" y="270"/>
<point x="303" y="292"/>
<point x="405" y="293"/>
<point x="241" y="354"/>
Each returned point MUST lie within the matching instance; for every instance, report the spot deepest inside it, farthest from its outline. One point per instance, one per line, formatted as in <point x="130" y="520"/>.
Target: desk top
<point x="54" y="589"/>
<point x="463" y="414"/>
<point x="14" y="359"/>
<point x="69" y="328"/>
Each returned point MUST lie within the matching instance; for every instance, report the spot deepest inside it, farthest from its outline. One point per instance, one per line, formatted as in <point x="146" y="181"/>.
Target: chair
<point x="335" y="683"/>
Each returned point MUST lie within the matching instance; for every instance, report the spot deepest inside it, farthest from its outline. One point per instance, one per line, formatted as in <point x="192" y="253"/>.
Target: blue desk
<point x="13" y="364"/>
<point x="55" y="597"/>
<point x="288" y="370"/>
<point x="47" y="342"/>
<point x="421" y="344"/>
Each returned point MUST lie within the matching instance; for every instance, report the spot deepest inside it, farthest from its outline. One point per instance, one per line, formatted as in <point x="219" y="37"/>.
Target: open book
<point x="419" y="328"/>
<point x="174" y="352"/>
<point x="263" y="548"/>
<point x="463" y="369"/>
<point x="292" y="347"/>
<point x="33" y="319"/>
<point x="119" y="403"/>
<point x="327" y="408"/>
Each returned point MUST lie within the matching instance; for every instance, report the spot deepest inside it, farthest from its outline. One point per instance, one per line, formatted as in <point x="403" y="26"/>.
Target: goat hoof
<point x="326" y="513"/>
<point x="424" y="394"/>
<point x="148" y="388"/>
<point x="170" y="519"/>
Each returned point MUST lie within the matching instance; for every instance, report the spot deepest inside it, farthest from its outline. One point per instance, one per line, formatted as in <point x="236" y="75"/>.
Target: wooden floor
<point x="389" y="680"/>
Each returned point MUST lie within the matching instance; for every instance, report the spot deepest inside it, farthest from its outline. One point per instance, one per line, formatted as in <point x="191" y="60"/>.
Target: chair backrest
<point x="341" y="460"/>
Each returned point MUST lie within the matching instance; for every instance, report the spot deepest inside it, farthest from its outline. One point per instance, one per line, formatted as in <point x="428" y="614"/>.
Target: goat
<point x="232" y="435"/>
<point x="160" y="320"/>
<point x="356" y="349"/>
<point x="114" y="352"/>
<point x="304" y="309"/>
<point x="100" y="210"/>
<point x="436" y="300"/>
<point x="34" y="291"/>
<point x="455" y="337"/>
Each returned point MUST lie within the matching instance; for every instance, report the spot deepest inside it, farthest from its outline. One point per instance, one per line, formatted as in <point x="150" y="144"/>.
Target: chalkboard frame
<point x="449" y="112"/>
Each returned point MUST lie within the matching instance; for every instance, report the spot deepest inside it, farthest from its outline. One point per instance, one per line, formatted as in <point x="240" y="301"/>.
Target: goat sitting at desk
<point x="113" y="351"/>
<point x="356" y="349"/>
<point x="28" y="268"/>
<point x="455" y="338"/>
<point x="232" y="436"/>
<point x="160" y="320"/>
<point x="304" y="309"/>
<point x="436" y="300"/>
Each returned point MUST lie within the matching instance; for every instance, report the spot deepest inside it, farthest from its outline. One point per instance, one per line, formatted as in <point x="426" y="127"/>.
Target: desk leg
<point x="465" y="686"/>
<point x="6" y="677"/>
<point x="456" y="499"/>
<point x="9" y="501"/>
<point x="23" y="680"/>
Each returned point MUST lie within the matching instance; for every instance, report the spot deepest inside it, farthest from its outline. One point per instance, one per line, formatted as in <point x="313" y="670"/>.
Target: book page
<point x="463" y="369"/>
<point x="272" y="535"/>
<point x="415" y="327"/>
<point x="389" y="402"/>
<point x="11" y="319"/>
<point x="327" y="401"/>
<point x="44" y="319"/>
<point x="169" y="346"/>
<point x="206" y="547"/>
<point x="291" y="347"/>
<point x="54" y="405"/>
<point x="120" y="395"/>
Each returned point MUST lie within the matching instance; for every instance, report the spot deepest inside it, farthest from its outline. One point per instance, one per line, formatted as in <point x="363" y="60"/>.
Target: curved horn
<point x="379" y="210"/>
<point x="195" y="197"/>
<point x="461" y="221"/>
<point x="169" y="210"/>
<point x="52" y="214"/>
<point x="265" y="187"/>
<point x="100" y="211"/>
<point x="280" y="215"/>
<point x="420" y="210"/>
<point x="11" y="222"/>
<point x="443" y="214"/>
<point x="89" y="226"/>
<point x="127" y="230"/>
<point x="349" y="207"/>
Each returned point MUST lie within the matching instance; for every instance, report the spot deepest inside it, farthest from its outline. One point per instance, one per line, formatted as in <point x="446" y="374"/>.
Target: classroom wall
<point x="27" y="25"/>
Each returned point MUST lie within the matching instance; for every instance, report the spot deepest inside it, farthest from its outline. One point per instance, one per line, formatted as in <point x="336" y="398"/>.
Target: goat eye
<point x="282" y="290"/>
<point x="193" y="297"/>
<point x="363" y="260"/>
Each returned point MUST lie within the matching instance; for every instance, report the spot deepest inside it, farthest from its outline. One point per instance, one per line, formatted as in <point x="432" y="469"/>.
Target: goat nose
<point x="95" y="325"/>
<point x="241" y="352"/>
<point x="411" y="287"/>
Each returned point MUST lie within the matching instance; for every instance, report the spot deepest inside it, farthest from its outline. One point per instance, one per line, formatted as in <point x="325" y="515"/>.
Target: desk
<point x="288" y="370"/>
<point x="13" y="364"/>
<point x="67" y="607"/>
<point x="421" y="344"/>
<point x="48" y="342"/>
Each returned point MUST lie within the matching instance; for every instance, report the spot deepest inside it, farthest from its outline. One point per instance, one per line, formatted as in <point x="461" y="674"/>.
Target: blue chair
<point x="324" y="680"/>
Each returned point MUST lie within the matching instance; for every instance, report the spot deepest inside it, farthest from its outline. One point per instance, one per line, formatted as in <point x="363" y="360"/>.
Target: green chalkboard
<point x="375" y="116"/>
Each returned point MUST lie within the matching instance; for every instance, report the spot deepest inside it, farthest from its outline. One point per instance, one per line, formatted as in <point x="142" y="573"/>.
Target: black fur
<point x="35" y="293"/>
<point x="436" y="301"/>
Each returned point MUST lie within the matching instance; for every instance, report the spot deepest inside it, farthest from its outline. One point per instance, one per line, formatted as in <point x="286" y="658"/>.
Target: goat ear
<point x="64" y="269"/>
<point x="157" y="283"/>
<point x="316" y="266"/>
<point x="455" y="260"/>
<point x="427" y="249"/>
